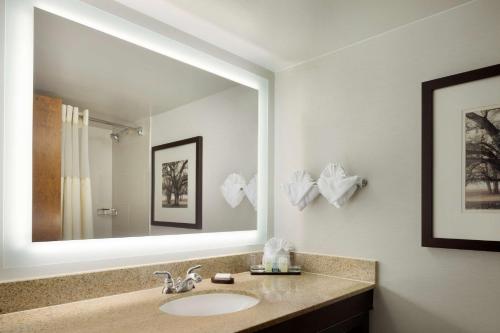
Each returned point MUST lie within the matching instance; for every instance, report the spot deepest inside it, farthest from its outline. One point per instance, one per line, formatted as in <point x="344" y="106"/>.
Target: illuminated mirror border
<point x="19" y="250"/>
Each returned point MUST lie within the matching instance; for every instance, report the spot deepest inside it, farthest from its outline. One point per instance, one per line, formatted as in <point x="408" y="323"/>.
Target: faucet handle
<point x="189" y="271"/>
<point x="169" y="282"/>
<point x="195" y="276"/>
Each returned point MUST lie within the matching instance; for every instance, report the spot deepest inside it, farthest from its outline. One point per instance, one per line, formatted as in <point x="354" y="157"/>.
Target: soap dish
<point x="222" y="281"/>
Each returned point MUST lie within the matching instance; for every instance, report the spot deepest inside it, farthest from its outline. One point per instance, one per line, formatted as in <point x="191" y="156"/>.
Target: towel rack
<point x="364" y="183"/>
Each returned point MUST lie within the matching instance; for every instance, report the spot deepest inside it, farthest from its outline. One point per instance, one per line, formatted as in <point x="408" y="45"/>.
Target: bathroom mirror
<point x="130" y="142"/>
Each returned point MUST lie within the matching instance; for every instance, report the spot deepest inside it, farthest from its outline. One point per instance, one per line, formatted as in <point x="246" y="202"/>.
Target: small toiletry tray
<point x="274" y="273"/>
<point x="259" y="270"/>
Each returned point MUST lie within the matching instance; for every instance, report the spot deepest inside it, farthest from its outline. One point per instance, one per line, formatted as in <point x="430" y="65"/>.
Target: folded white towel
<point x="232" y="189"/>
<point x="336" y="186"/>
<point x="251" y="191"/>
<point x="301" y="189"/>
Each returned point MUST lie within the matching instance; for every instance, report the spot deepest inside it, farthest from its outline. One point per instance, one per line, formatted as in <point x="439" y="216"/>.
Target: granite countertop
<point x="281" y="298"/>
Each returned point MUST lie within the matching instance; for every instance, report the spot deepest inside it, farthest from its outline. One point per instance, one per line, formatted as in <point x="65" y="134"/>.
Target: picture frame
<point x="176" y="184"/>
<point x="473" y="227"/>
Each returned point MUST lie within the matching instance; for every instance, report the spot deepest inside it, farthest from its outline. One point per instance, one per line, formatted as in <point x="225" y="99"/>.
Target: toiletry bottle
<point x="283" y="264"/>
<point x="275" y="266"/>
<point x="267" y="261"/>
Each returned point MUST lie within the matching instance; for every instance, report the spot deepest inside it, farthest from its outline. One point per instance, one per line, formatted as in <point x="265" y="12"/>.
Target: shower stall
<point x="99" y="162"/>
<point x="119" y="153"/>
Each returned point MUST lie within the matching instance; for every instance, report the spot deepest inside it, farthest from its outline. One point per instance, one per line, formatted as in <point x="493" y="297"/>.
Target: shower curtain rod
<point x="110" y="123"/>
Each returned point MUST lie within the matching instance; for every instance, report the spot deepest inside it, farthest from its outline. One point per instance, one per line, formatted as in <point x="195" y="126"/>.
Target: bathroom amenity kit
<point x="276" y="259"/>
<point x="334" y="184"/>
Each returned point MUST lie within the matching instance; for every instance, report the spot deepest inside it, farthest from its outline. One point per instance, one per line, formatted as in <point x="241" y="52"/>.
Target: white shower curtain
<point x="75" y="183"/>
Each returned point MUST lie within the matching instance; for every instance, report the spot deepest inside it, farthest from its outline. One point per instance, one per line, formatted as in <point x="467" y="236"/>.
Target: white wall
<point x="131" y="191"/>
<point x="2" y="51"/>
<point x="361" y="106"/>
<point x="227" y="121"/>
<point x="101" y="163"/>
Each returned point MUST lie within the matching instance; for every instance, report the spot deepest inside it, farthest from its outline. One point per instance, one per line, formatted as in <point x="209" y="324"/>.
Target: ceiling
<point x="278" y="34"/>
<point x="114" y="79"/>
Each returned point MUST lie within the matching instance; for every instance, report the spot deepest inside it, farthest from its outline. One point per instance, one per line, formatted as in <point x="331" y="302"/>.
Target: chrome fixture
<point x="113" y="124"/>
<point x="107" y="212"/>
<point x="170" y="286"/>
<point x="115" y="137"/>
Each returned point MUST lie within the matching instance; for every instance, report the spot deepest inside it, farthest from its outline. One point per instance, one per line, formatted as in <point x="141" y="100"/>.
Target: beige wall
<point x="227" y="121"/>
<point x="361" y="106"/>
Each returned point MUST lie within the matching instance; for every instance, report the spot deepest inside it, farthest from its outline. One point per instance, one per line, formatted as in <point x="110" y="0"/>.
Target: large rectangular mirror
<point x="129" y="142"/>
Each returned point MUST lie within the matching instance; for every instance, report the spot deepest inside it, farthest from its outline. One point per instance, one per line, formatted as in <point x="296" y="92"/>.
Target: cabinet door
<point x="358" y="324"/>
<point x="349" y="315"/>
<point x="47" y="122"/>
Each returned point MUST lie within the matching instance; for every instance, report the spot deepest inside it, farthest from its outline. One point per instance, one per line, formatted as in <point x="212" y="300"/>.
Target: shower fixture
<point x="123" y="129"/>
<point x="115" y="136"/>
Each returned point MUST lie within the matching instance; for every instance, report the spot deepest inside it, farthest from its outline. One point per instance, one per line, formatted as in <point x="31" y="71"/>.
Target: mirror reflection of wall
<point x="92" y="175"/>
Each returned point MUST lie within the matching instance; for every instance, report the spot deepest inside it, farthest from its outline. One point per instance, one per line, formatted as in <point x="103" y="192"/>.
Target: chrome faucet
<point x="170" y="286"/>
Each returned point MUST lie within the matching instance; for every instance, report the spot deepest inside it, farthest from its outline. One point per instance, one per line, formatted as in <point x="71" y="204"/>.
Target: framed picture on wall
<point x="176" y="185"/>
<point x="461" y="161"/>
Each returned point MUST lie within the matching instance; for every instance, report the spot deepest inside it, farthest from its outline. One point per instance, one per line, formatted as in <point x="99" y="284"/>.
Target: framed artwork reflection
<point x="176" y="184"/>
<point x="461" y="161"/>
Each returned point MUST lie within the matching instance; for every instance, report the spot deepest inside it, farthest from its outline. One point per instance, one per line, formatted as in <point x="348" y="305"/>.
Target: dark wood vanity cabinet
<point x="350" y="315"/>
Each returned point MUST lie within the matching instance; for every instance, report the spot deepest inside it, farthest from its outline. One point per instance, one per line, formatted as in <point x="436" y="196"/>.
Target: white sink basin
<point x="209" y="304"/>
